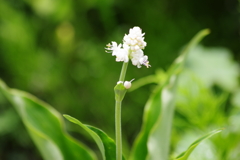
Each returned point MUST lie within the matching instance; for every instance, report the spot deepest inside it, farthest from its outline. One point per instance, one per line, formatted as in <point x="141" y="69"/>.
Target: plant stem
<point x="118" y="130"/>
<point x="123" y="71"/>
<point x="118" y="104"/>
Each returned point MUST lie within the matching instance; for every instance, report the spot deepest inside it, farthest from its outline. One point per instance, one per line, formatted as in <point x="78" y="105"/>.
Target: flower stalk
<point x="120" y="92"/>
<point x="123" y="71"/>
<point x="131" y="49"/>
<point x="118" y="130"/>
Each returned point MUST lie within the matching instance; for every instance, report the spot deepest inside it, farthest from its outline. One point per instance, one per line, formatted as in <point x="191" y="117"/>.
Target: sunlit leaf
<point x="45" y="126"/>
<point x="214" y="66"/>
<point x="185" y="155"/>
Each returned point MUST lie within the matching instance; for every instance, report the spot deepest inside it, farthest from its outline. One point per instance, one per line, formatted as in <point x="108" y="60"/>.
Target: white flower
<point x="136" y="56"/>
<point x="119" y="82"/>
<point x="132" y="48"/>
<point x="128" y="84"/>
<point x="135" y="39"/>
<point x="144" y="61"/>
<point x="120" y="53"/>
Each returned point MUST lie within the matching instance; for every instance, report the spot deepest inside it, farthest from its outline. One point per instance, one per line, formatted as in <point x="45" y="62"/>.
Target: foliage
<point x="54" y="50"/>
<point x="185" y="155"/>
<point x="106" y="144"/>
<point x="45" y="126"/>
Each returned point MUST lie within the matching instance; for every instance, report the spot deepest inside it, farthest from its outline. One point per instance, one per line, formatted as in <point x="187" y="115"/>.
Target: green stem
<point x="118" y="130"/>
<point x="118" y="104"/>
<point x="123" y="71"/>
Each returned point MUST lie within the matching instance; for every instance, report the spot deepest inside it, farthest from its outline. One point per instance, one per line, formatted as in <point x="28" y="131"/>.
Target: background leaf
<point x="151" y="112"/>
<point x="160" y="136"/>
<point x="105" y="143"/>
<point x="184" y="155"/>
<point x="154" y="138"/>
<point x="45" y="126"/>
<point x="218" y="62"/>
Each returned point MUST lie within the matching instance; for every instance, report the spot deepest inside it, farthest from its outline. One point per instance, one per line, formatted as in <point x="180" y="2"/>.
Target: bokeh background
<point x="54" y="49"/>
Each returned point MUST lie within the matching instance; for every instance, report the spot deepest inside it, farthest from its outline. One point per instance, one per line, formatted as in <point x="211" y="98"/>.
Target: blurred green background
<point x="54" y="49"/>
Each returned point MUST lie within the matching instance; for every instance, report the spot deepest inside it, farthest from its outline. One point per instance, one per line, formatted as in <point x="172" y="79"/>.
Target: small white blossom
<point x="135" y="39"/>
<point x="144" y="61"/>
<point x="128" y="84"/>
<point x="119" y="82"/>
<point x="132" y="48"/>
<point x="120" y="53"/>
<point x="136" y="56"/>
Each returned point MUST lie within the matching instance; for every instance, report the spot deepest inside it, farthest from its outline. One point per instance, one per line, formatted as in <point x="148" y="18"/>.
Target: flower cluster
<point x="132" y="48"/>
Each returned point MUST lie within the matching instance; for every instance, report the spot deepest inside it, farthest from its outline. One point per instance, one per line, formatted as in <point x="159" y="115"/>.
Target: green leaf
<point x="152" y="109"/>
<point x="45" y="126"/>
<point x="214" y="66"/>
<point x="154" y="138"/>
<point x="158" y="78"/>
<point x="106" y="145"/>
<point x="159" y="137"/>
<point x="185" y="155"/>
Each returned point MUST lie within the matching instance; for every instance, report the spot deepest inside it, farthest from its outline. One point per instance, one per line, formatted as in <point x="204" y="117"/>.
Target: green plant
<point x="45" y="124"/>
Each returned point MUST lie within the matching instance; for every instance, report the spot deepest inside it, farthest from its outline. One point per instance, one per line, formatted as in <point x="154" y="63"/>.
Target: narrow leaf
<point x="105" y="143"/>
<point x="151" y="112"/>
<point x="45" y="126"/>
<point x="185" y="155"/>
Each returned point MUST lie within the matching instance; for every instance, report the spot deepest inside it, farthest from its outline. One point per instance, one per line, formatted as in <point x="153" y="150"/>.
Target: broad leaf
<point x="106" y="145"/>
<point x="154" y="139"/>
<point x="218" y="62"/>
<point x="185" y="155"/>
<point x="45" y="126"/>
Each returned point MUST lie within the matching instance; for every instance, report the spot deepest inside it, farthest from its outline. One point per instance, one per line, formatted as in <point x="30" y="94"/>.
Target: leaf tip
<point x="66" y="116"/>
<point x="206" y="31"/>
<point x="2" y="84"/>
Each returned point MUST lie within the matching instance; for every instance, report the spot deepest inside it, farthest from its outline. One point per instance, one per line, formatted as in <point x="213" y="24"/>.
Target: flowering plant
<point x="45" y="124"/>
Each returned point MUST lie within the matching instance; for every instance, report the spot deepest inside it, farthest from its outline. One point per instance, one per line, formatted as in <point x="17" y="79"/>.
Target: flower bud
<point x="127" y="84"/>
<point x="119" y="82"/>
